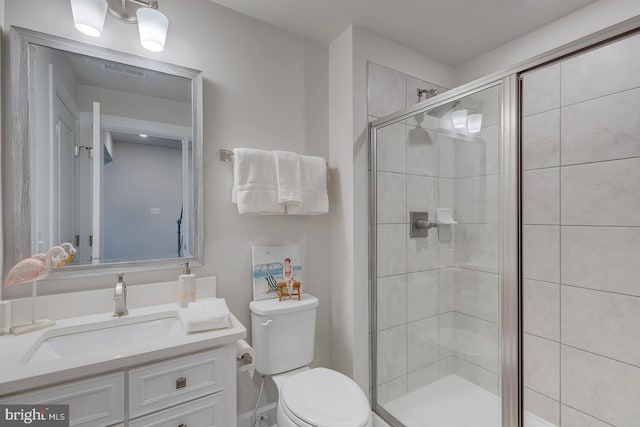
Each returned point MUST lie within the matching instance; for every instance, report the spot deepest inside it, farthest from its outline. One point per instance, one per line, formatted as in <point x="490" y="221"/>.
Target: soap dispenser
<point x="186" y="287"/>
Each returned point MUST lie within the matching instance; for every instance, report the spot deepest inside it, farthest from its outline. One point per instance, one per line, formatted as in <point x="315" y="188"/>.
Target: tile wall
<point x="469" y="252"/>
<point x="408" y="304"/>
<point x="435" y="294"/>
<point x="581" y="238"/>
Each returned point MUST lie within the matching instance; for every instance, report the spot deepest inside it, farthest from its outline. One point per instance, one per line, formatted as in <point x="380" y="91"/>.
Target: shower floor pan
<point x="453" y="402"/>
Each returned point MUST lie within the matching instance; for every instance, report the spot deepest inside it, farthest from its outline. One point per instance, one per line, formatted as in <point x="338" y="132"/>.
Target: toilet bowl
<point x="284" y="338"/>
<point x="320" y="397"/>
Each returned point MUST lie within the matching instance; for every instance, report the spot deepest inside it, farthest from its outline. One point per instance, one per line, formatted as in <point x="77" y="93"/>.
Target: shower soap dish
<point x="445" y="217"/>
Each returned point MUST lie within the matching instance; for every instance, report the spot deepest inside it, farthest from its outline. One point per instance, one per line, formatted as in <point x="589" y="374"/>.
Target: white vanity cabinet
<point x="97" y="401"/>
<point x="168" y="383"/>
<point x="194" y="390"/>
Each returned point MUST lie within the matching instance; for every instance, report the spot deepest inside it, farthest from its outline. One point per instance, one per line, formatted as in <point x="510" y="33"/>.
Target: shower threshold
<point x="453" y="402"/>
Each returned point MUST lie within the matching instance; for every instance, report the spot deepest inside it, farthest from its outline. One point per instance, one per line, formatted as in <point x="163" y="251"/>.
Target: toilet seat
<point x="322" y="397"/>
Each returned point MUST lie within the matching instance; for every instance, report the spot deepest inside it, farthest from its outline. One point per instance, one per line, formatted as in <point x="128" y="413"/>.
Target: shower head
<point x="438" y="111"/>
<point x="428" y="93"/>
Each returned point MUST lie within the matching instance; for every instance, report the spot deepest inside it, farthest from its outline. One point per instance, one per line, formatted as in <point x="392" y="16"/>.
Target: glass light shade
<point x="459" y="118"/>
<point x="89" y="15"/>
<point x="153" y="26"/>
<point x="474" y="123"/>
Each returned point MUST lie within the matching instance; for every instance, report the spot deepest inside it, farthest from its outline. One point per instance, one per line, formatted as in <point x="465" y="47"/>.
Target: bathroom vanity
<point x="137" y="370"/>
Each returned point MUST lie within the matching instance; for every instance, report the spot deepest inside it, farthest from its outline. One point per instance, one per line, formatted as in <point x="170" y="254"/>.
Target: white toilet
<point x="283" y="336"/>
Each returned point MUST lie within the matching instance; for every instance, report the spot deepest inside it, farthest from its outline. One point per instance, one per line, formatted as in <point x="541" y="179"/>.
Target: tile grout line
<point x="570" y="285"/>
<point x="542" y="394"/>
<point x="591" y="162"/>
<point x="618" y="92"/>
<point x="600" y="355"/>
<point x="599" y="290"/>
<point x="574" y="225"/>
<point x="585" y="413"/>
<point x="573" y="347"/>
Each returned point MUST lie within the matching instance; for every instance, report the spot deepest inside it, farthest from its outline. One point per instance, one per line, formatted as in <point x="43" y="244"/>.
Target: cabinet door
<point x="92" y="402"/>
<point x="171" y="382"/>
<point x="204" y="412"/>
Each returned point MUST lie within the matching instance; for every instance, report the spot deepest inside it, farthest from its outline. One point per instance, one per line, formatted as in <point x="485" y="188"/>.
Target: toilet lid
<point x="325" y="398"/>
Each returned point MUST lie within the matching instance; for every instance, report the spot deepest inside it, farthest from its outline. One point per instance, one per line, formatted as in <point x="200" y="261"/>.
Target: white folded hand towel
<point x="205" y="315"/>
<point x="254" y="182"/>
<point x="315" y="200"/>
<point x="288" y="177"/>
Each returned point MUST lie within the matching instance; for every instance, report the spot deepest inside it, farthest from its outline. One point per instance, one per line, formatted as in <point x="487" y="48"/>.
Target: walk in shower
<point x="505" y="224"/>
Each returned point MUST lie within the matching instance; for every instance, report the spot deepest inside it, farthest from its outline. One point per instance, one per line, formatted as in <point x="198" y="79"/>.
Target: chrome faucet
<point x="120" y="297"/>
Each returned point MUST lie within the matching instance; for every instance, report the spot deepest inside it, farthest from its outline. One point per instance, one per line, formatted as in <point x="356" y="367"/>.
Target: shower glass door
<point x="436" y="274"/>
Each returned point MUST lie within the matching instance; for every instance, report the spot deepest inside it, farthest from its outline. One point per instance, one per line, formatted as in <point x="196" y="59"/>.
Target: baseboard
<point x="268" y="411"/>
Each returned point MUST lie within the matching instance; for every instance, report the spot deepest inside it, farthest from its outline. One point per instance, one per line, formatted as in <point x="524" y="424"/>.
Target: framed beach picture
<point x="273" y="265"/>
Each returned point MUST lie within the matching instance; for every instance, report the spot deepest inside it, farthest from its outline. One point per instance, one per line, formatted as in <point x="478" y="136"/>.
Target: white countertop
<point x="17" y="376"/>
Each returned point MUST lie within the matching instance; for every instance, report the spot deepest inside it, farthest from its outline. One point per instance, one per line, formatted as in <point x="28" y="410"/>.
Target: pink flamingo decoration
<point x="31" y="270"/>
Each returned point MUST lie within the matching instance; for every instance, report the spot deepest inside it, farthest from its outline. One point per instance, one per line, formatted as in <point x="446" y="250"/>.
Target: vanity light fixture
<point x="474" y="122"/>
<point x="459" y="118"/>
<point x="89" y="16"/>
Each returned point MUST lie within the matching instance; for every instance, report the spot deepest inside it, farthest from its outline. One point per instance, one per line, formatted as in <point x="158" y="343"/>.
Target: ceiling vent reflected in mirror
<point x="153" y="25"/>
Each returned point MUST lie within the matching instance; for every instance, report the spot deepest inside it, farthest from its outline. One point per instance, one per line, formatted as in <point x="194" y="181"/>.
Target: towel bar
<point x="227" y="156"/>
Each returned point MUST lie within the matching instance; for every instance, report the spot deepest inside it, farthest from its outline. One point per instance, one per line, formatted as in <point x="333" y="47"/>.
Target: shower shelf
<point x="445" y="217"/>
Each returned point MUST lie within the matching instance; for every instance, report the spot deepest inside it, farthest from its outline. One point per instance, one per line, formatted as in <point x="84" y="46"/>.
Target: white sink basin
<point x="110" y="338"/>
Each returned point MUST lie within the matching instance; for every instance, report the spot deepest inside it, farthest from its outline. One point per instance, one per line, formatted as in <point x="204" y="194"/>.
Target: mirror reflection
<point x="112" y="162"/>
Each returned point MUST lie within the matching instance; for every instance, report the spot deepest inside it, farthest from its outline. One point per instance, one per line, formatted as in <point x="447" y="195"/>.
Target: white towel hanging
<point x="288" y="179"/>
<point x="315" y="200"/>
<point x="254" y="183"/>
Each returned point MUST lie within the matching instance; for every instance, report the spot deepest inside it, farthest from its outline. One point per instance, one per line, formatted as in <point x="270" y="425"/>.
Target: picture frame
<point x="273" y="265"/>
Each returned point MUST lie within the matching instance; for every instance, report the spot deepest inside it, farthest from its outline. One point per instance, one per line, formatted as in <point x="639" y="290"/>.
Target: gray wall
<point x="139" y="178"/>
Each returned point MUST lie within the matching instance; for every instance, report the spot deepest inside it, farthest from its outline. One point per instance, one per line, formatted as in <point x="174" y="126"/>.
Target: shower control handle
<point x="420" y="224"/>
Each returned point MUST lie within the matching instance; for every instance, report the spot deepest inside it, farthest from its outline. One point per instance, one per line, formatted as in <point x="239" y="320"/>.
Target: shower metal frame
<point x="509" y="194"/>
<point x="510" y="211"/>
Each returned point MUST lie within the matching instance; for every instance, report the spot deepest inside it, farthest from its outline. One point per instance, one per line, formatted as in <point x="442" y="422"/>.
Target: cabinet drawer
<point x="96" y="401"/>
<point x="204" y="412"/>
<point x="163" y="384"/>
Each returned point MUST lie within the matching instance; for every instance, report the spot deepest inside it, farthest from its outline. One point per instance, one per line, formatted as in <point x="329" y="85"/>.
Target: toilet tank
<point x="283" y="333"/>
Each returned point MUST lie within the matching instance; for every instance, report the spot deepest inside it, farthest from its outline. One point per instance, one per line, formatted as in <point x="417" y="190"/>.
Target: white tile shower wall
<point x="407" y="283"/>
<point x="581" y="201"/>
<point x="449" y="280"/>
<point x="543" y="406"/>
